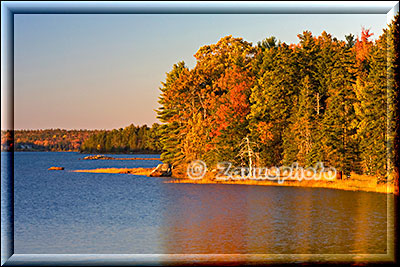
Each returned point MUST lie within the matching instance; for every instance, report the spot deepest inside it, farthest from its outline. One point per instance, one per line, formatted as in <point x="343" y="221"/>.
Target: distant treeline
<point x="44" y="140"/>
<point x="274" y="104"/>
<point x="7" y="140"/>
<point x="131" y="139"/>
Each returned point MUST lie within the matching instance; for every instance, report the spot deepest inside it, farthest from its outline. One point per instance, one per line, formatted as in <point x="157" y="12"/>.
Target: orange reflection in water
<point x="214" y="222"/>
<point x="241" y="219"/>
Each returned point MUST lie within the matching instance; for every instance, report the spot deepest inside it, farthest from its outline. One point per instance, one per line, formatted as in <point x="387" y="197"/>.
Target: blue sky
<point x="104" y="71"/>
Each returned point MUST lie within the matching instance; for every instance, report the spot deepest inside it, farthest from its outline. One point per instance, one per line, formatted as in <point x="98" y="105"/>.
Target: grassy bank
<point x="354" y="183"/>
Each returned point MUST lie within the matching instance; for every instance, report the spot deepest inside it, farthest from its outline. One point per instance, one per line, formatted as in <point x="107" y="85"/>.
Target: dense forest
<point x="322" y="99"/>
<point x="131" y="139"/>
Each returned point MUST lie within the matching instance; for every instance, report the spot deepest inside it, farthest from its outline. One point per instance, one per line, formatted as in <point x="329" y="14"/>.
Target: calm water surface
<point x="67" y="212"/>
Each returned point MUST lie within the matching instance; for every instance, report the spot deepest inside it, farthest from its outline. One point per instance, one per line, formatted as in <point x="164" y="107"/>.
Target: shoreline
<point x="135" y="171"/>
<point x="86" y="153"/>
<point x="344" y="185"/>
<point x="356" y="183"/>
<point x="118" y="153"/>
<point x="112" y="158"/>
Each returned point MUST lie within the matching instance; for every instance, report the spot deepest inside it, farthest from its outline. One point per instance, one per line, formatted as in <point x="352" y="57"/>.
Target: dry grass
<point x="136" y="171"/>
<point x="354" y="183"/>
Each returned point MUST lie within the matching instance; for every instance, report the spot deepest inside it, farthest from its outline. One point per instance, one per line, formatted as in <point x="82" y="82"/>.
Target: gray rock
<point x="162" y="170"/>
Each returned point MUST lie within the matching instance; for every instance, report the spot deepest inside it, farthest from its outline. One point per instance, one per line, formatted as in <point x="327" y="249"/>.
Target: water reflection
<point x="230" y="219"/>
<point x="368" y="223"/>
<point x="211" y="221"/>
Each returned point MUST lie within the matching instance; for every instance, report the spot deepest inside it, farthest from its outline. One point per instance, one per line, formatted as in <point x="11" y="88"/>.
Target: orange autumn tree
<point x="234" y="105"/>
<point x="193" y="99"/>
<point x="363" y="47"/>
<point x="215" y="94"/>
<point x="229" y="124"/>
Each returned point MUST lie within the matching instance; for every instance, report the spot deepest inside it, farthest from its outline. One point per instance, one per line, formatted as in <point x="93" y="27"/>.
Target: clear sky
<point x="104" y="71"/>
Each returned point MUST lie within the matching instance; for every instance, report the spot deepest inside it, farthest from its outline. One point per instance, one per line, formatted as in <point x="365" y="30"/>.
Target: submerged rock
<point x="162" y="170"/>
<point x="56" y="168"/>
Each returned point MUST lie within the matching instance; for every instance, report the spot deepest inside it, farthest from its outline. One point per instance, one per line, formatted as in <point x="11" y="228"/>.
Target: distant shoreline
<point x="103" y="157"/>
<point x="84" y="153"/>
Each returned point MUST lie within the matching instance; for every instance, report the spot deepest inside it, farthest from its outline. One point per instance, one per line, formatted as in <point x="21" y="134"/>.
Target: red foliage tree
<point x="363" y="45"/>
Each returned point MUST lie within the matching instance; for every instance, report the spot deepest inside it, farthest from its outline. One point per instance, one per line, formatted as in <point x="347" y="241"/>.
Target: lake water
<point x="88" y="213"/>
